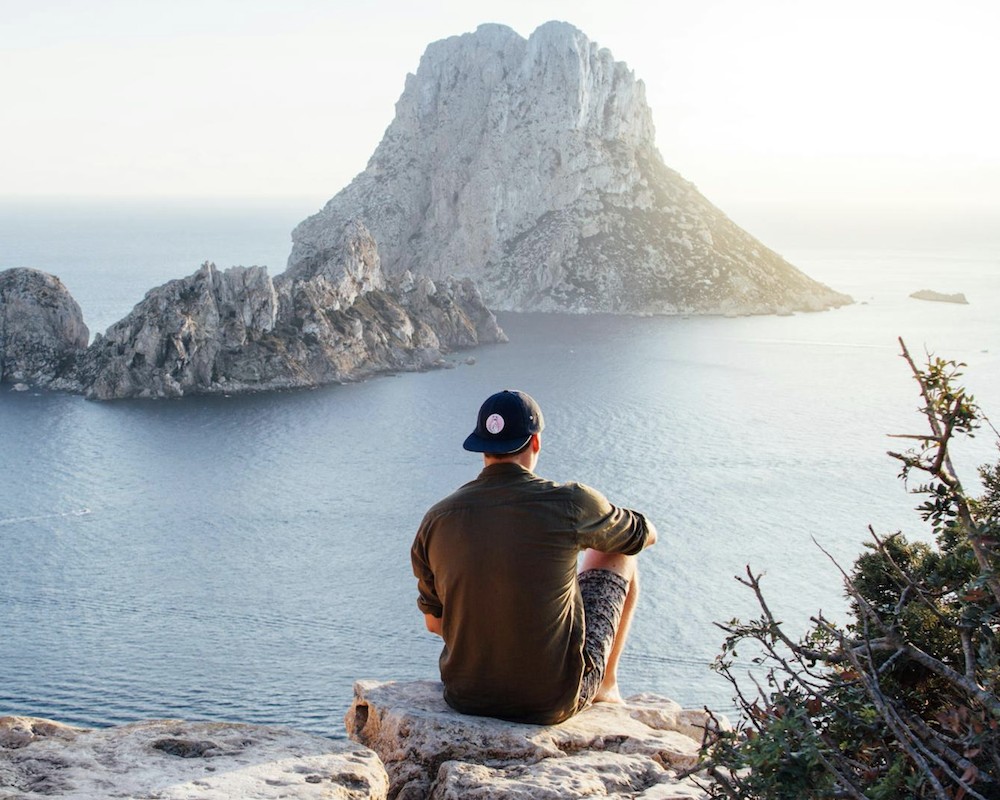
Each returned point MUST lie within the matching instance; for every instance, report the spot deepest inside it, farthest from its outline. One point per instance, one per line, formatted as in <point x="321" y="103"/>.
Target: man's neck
<point x="526" y="459"/>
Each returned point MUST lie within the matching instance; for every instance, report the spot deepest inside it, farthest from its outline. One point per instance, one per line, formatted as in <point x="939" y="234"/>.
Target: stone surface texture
<point x="173" y="760"/>
<point x="530" y="166"/>
<point x="430" y="751"/>
<point x="41" y="327"/>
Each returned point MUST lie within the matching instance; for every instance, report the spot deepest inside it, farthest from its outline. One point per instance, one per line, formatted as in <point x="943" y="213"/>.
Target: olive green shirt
<point x="497" y="562"/>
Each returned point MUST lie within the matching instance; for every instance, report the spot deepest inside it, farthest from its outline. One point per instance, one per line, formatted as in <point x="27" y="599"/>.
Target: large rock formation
<point x="414" y="748"/>
<point x="174" y="760"/>
<point x="432" y="752"/>
<point x="530" y="166"/>
<point x="41" y="327"/>
<point x="238" y="331"/>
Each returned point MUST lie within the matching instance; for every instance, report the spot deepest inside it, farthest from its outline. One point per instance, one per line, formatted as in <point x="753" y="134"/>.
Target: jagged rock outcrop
<point x="530" y="166"/>
<point x="41" y="327"/>
<point x="238" y="331"/>
<point x="940" y="297"/>
<point x="183" y="336"/>
<point x="174" y="760"/>
<point x="434" y="753"/>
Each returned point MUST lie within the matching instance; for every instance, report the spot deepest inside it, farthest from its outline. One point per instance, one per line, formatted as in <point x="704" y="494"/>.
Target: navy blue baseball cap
<point x="507" y="421"/>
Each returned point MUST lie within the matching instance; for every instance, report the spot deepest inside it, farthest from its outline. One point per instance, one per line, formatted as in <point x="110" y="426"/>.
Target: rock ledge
<point x="420" y="749"/>
<point x="174" y="760"/>
<point x="430" y="751"/>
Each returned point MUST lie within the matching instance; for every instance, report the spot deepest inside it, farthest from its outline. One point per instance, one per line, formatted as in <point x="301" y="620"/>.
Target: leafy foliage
<point x="900" y="702"/>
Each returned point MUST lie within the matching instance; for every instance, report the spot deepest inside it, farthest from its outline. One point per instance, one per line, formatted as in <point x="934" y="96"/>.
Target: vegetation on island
<point x="900" y="701"/>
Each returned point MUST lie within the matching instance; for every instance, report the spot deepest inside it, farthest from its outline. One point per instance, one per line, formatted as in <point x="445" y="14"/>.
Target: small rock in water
<point x="940" y="297"/>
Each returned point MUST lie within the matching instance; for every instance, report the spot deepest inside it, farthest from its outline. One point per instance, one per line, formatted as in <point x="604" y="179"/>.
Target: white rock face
<point x="173" y="760"/>
<point x="347" y="269"/>
<point x="530" y="166"/>
<point x="431" y="751"/>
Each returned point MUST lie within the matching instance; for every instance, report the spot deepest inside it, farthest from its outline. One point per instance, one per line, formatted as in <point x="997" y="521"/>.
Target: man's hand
<point x="433" y="623"/>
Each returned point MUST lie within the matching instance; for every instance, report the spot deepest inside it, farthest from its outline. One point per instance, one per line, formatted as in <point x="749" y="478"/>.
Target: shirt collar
<point x="504" y="469"/>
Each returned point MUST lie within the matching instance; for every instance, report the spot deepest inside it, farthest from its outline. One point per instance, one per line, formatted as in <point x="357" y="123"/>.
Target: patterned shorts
<point x="603" y="593"/>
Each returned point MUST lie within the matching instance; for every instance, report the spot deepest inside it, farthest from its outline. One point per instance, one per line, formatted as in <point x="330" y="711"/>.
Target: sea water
<point x="248" y="557"/>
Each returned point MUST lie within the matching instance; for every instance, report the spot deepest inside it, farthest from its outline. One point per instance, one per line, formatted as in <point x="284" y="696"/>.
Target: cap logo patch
<point x="494" y="423"/>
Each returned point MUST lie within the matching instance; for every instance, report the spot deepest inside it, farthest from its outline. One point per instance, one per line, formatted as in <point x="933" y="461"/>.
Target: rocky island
<point x="237" y="330"/>
<point x="940" y="297"/>
<point x="530" y="166"/>
<point x="41" y="328"/>
<point x="518" y="174"/>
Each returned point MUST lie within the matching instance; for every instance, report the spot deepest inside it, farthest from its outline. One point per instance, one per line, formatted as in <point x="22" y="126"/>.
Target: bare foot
<point x="609" y="695"/>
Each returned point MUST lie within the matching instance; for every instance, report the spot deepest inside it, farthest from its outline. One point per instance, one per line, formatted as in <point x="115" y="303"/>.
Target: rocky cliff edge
<point x="408" y="745"/>
<point x="177" y="760"/>
<point x="638" y="750"/>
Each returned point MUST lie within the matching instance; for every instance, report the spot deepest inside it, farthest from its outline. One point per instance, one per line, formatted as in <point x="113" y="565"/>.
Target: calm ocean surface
<point x="248" y="558"/>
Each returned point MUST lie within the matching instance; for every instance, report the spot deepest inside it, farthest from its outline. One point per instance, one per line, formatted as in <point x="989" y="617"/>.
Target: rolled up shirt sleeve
<point x="604" y="526"/>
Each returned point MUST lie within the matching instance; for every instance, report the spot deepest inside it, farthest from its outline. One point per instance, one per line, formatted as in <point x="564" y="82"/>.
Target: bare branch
<point x="906" y="577"/>
<point x="987" y="699"/>
<point x="942" y="468"/>
<point x="882" y="706"/>
<point x="968" y="652"/>
<point x="723" y="783"/>
<point x="934" y="741"/>
<point x="837" y="774"/>
<point x="773" y="625"/>
<point x="923" y="389"/>
<point x="921" y="437"/>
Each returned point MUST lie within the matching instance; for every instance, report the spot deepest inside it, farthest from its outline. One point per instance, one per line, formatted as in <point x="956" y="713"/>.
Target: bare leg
<point x="626" y="567"/>
<point x="609" y="693"/>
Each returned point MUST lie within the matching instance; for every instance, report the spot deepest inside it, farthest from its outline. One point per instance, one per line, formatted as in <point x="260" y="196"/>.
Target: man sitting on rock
<point x="526" y="638"/>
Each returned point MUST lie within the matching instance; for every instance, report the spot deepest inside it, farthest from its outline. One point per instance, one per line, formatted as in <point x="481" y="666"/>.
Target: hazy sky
<point x="754" y="100"/>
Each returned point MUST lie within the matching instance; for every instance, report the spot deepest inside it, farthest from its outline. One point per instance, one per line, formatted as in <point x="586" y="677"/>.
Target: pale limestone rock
<point x="41" y="328"/>
<point x="658" y="712"/>
<point x="586" y="774"/>
<point x="179" y="337"/>
<point x="20" y="731"/>
<point x="331" y="320"/>
<point x="431" y="751"/>
<point x="349" y="267"/>
<point x="531" y="167"/>
<point x="174" y="760"/>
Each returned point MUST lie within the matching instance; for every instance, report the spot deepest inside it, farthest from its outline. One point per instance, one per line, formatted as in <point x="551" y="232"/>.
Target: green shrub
<point x="900" y="702"/>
